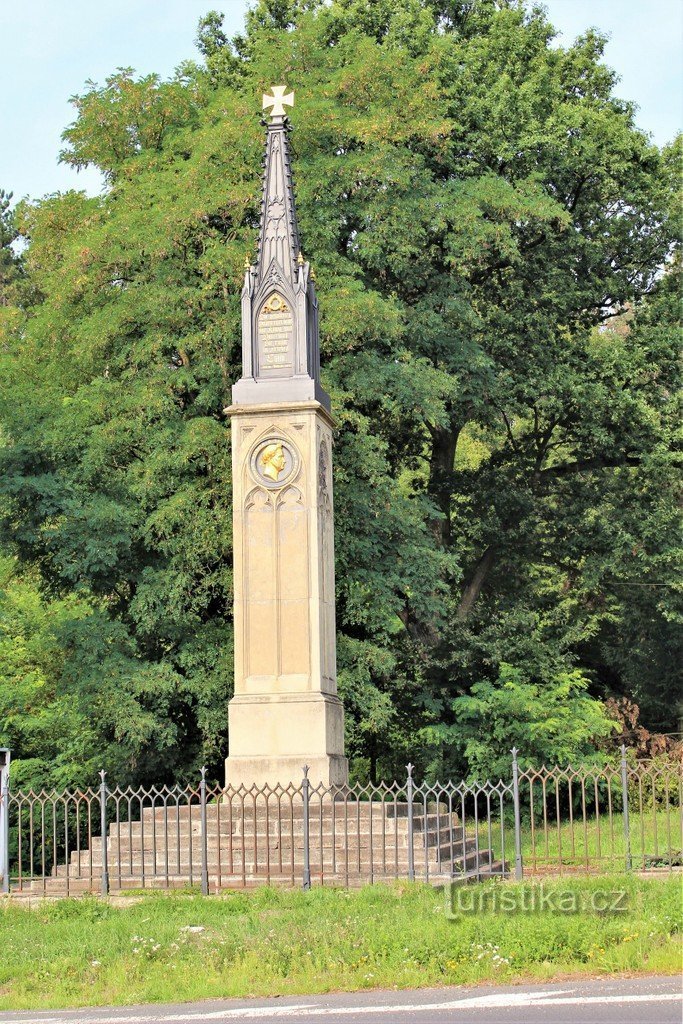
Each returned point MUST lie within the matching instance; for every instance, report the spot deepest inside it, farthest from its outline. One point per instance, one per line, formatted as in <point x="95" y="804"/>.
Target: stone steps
<point x="343" y="862"/>
<point x="179" y="858"/>
<point x="348" y="843"/>
<point x="252" y="878"/>
<point x="122" y="845"/>
<point x="237" y="822"/>
<point x="125" y="853"/>
<point x="388" y="810"/>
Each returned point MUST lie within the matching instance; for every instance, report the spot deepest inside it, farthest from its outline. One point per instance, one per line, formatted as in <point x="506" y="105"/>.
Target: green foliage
<point x="11" y="276"/>
<point x="124" y="119"/>
<point x="556" y="722"/>
<point x="72" y="691"/>
<point x="46" y="729"/>
<point x="8" y="234"/>
<point x="488" y="228"/>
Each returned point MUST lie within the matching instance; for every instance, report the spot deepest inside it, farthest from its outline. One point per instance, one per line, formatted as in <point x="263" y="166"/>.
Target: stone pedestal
<point x="285" y="712"/>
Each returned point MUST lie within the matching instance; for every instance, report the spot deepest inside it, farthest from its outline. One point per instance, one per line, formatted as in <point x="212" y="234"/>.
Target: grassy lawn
<point x="181" y="946"/>
<point x="655" y="837"/>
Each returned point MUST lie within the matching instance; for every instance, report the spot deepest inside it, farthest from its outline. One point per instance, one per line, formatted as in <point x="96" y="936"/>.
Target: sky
<point x="52" y="47"/>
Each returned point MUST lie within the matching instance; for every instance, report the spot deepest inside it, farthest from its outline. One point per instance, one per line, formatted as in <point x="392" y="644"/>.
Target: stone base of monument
<point x="253" y="842"/>
<point x="325" y="769"/>
<point x="268" y="733"/>
<point x="285" y="712"/>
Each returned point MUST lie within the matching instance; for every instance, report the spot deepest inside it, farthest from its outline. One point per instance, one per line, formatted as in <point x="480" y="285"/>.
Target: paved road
<point x="630" y="1001"/>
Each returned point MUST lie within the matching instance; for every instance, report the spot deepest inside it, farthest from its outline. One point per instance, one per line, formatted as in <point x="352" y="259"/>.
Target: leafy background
<point x="496" y="247"/>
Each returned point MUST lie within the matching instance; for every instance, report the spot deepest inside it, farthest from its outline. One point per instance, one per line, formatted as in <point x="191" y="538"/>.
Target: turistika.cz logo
<point x="534" y="899"/>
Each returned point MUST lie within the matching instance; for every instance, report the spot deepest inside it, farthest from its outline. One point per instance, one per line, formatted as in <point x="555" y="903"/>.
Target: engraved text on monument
<point x="275" y="330"/>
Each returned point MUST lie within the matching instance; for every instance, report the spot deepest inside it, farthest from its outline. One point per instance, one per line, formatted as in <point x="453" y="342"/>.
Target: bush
<point x="550" y="723"/>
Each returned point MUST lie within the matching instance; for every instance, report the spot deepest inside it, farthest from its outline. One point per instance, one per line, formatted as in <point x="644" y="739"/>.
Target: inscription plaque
<point x="275" y="332"/>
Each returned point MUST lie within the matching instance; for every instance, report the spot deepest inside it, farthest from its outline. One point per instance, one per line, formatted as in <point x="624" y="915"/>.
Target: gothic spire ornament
<point x="285" y="712"/>
<point x="280" y="346"/>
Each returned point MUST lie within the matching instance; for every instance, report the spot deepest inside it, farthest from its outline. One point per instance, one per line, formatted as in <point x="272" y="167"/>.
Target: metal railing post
<point x="411" y="844"/>
<point x="103" y="831"/>
<point x="5" y="757"/>
<point x="305" y="792"/>
<point x="519" y="867"/>
<point x="204" y="837"/>
<point x="4" y="835"/>
<point x="624" y="796"/>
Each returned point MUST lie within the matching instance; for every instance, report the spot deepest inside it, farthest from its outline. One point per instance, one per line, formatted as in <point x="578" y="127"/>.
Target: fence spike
<point x="411" y="842"/>
<point x="519" y="867"/>
<point x="624" y="811"/>
<point x="305" y="793"/>
<point x="103" y="833"/>
<point x="204" y="837"/>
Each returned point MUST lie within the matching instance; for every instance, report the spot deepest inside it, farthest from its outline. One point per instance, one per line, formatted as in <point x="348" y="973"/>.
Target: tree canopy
<point x="495" y="244"/>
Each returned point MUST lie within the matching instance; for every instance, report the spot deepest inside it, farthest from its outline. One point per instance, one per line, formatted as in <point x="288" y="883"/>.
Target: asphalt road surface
<point x="615" y="1001"/>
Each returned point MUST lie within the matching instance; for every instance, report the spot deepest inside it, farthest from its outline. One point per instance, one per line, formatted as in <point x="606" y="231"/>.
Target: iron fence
<point x="621" y="816"/>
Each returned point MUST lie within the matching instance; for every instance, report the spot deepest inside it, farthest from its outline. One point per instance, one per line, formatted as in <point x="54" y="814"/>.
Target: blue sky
<point x="50" y="48"/>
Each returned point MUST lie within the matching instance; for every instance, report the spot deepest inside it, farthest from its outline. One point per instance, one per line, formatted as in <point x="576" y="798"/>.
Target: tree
<point x="10" y="263"/>
<point x="556" y="724"/>
<point x="479" y="208"/>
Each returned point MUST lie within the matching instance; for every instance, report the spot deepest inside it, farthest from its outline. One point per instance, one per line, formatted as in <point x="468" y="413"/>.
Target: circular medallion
<point x="274" y="461"/>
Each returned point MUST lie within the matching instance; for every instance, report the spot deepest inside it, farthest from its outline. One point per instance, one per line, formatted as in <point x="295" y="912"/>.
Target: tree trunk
<point x="373" y="759"/>
<point x="440" y="486"/>
<point x="476" y="582"/>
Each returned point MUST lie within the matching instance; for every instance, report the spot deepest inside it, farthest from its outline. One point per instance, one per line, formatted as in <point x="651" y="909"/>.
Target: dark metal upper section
<point x="278" y="243"/>
<point x="280" y="347"/>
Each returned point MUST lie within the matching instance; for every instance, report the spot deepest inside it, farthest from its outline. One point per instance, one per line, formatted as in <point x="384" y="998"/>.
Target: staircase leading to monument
<point x="350" y="843"/>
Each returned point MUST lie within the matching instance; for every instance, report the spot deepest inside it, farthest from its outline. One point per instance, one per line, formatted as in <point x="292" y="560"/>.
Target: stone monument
<point x="285" y="712"/>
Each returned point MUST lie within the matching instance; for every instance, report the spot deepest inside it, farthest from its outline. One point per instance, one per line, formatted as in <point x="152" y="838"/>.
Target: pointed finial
<point x="278" y="100"/>
<point x="300" y="259"/>
<point x="247" y="262"/>
<point x="313" y="275"/>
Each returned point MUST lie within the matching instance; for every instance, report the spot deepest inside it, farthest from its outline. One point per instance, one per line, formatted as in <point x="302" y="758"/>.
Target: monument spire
<point x="280" y="346"/>
<point x="278" y="244"/>
<point x="285" y="712"/>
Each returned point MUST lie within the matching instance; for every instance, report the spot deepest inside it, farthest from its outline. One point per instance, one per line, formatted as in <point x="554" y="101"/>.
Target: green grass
<point x="268" y="942"/>
<point x="600" y="845"/>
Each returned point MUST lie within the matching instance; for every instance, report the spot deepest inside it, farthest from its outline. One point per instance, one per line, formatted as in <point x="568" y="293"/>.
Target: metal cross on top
<point x="278" y="100"/>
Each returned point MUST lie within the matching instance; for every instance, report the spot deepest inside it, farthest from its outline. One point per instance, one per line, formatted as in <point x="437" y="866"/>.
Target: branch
<point x="473" y="588"/>
<point x="588" y="464"/>
<point x="571" y="205"/>
<point x="542" y="442"/>
<point x="508" y="430"/>
<point x="478" y="277"/>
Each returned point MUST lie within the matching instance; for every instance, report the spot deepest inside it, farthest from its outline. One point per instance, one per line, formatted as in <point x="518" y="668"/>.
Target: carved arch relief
<point x="258" y="557"/>
<point x="328" y="663"/>
<point x="258" y="499"/>
<point x="289" y="498"/>
<point x="276" y="554"/>
<point x="324" y="477"/>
